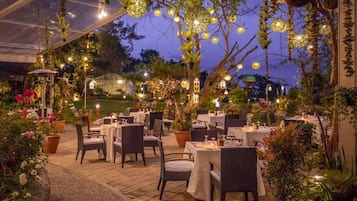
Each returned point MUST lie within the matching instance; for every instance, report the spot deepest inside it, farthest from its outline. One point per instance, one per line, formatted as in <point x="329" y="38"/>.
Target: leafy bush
<point x="20" y="158"/>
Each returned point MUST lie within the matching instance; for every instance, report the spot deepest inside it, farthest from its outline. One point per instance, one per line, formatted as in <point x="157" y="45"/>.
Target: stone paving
<point x="133" y="182"/>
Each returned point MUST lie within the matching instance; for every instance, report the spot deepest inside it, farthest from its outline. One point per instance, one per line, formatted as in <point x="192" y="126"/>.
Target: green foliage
<point x="20" y="159"/>
<point x="347" y="99"/>
<point x="283" y="158"/>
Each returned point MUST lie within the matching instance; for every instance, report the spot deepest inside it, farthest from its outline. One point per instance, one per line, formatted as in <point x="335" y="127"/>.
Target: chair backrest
<point x="233" y="123"/>
<point x="79" y="135"/>
<point x="162" y="156"/>
<point x="132" y="138"/>
<point x="238" y="169"/>
<point x="153" y="116"/>
<point x="202" y="112"/>
<point x="158" y="128"/>
<point x="129" y="119"/>
<point x="272" y="118"/>
<point x="198" y="134"/>
<point x="107" y="121"/>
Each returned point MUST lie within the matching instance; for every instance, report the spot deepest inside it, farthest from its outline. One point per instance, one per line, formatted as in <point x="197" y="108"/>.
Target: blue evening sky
<point x="160" y="35"/>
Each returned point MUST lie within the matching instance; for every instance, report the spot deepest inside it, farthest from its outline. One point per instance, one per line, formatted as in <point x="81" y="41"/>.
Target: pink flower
<point x="12" y="159"/>
<point x="28" y="92"/>
<point x="27" y="134"/>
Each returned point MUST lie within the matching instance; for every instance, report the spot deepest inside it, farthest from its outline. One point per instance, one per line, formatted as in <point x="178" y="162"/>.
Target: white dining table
<point x="199" y="184"/>
<point x="212" y="119"/>
<point x="139" y="117"/>
<point x="111" y="131"/>
<point x="249" y="135"/>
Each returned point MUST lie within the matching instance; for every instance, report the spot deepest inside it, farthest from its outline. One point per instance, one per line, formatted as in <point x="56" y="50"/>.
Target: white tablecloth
<point x="199" y="185"/>
<point x="111" y="130"/>
<point x="212" y="119"/>
<point x="248" y="135"/>
<point x="139" y="117"/>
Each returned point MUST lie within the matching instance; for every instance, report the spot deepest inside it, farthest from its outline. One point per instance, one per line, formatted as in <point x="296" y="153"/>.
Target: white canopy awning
<point x="22" y="25"/>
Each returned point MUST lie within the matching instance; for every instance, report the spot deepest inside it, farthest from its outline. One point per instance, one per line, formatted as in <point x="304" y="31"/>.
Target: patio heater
<point x="43" y="75"/>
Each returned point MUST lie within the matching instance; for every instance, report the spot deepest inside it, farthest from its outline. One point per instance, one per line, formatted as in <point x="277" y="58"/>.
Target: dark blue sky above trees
<point x="160" y="35"/>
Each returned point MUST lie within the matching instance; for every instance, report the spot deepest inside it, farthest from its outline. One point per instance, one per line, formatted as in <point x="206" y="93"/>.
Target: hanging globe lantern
<point x="324" y="29"/>
<point x="232" y="18"/>
<point x="185" y="83"/>
<point x="240" y="29"/>
<point x="299" y="40"/>
<point x="171" y="11"/>
<point x="239" y="66"/>
<point x="210" y="10"/>
<point x="215" y="40"/>
<point x="213" y="20"/>
<point x="176" y="18"/>
<point x="279" y="25"/>
<point x="136" y="8"/>
<point x="157" y="12"/>
<point x="255" y="65"/>
<point x="227" y="77"/>
<point x="206" y="35"/>
<point x="310" y="48"/>
<point x="197" y="19"/>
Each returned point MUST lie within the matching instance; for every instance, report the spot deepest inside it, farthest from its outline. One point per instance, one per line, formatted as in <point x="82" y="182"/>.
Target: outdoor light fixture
<point x="232" y="18"/>
<point x="225" y="92"/>
<point x="240" y="29"/>
<point x="210" y="10"/>
<point x="171" y="11"/>
<point x="255" y="65"/>
<point x="215" y="40"/>
<point x="222" y="84"/>
<point x="324" y="29"/>
<point x="120" y="81"/>
<point x="185" y="83"/>
<point x="141" y="95"/>
<point x="91" y="86"/>
<point x="239" y="66"/>
<point x="157" y="12"/>
<point x="213" y="20"/>
<point x="279" y="25"/>
<point x="227" y="77"/>
<point x="310" y="48"/>
<point x="61" y="66"/>
<point x="176" y="18"/>
<point x="146" y="74"/>
<point x="101" y="9"/>
<point x="197" y="19"/>
<point x="196" y="98"/>
<point x="206" y="35"/>
<point x="136" y="8"/>
<point x="299" y="40"/>
<point x="196" y="85"/>
<point x="70" y="59"/>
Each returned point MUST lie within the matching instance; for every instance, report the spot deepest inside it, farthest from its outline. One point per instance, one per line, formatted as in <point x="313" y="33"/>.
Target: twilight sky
<point x="160" y="35"/>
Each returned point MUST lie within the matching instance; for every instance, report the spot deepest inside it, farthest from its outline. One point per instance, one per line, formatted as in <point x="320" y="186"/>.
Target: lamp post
<point x="85" y="90"/>
<point x="267" y="89"/>
<point x="43" y="76"/>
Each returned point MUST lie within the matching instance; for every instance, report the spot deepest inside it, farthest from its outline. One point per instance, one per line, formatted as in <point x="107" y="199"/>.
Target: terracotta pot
<point x="58" y="126"/>
<point x="50" y="146"/>
<point x="297" y="3"/>
<point x="182" y="137"/>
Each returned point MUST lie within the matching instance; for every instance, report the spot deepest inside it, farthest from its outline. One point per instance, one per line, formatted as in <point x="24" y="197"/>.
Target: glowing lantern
<point x="279" y="25"/>
<point x="196" y="98"/>
<point x="197" y="19"/>
<point x="171" y="11"/>
<point x="213" y="20"/>
<point x="239" y="66"/>
<point x="136" y="8"/>
<point x="176" y="19"/>
<point x="228" y="77"/>
<point x="215" y="40"/>
<point x="210" y="10"/>
<point x="232" y="18"/>
<point x="157" y="12"/>
<point x="299" y="40"/>
<point x="185" y="83"/>
<point x="310" y="48"/>
<point x="222" y="84"/>
<point x="196" y="85"/>
<point x="240" y="29"/>
<point x="255" y="65"/>
<point x="206" y="35"/>
<point x="324" y="29"/>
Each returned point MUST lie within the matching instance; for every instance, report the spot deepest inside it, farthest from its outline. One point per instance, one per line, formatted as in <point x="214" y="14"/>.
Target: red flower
<point x="19" y="98"/>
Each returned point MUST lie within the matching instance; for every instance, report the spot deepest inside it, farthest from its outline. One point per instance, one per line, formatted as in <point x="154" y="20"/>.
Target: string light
<point x="215" y="40"/>
<point x="279" y="25"/>
<point x="240" y="29"/>
<point x="255" y="65"/>
<point x="101" y="9"/>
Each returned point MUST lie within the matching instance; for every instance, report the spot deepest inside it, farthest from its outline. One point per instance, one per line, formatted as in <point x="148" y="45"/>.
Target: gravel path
<point x="66" y="185"/>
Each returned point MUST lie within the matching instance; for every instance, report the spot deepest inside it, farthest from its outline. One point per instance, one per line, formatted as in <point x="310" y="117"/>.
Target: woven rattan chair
<point x="233" y="123"/>
<point x="151" y="140"/>
<point x="131" y="142"/>
<point x="237" y="172"/>
<point x="152" y="117"/>
<point x="89" y="141"/>
<point x="176" y="169"/>
<point x="198" y="134"/>
<point x="86" y="119"/>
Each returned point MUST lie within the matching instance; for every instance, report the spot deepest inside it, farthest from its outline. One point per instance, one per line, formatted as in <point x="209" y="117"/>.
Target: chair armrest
<point x="92" y="134"/>
<point x="189" y="156"/>
<point x="215" y="165"/>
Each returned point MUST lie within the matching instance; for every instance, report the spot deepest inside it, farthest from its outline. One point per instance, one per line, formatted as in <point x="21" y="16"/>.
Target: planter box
<point x="51" y="144"/>
<point x="182" y="137"/>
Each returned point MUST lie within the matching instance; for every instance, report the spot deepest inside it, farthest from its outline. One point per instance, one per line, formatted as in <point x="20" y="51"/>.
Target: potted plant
<point x="52" y="138"/>
<point x="182" y="131"/>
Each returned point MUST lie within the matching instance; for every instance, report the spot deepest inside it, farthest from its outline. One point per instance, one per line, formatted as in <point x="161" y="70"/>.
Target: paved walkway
<point x="133" y="182"/>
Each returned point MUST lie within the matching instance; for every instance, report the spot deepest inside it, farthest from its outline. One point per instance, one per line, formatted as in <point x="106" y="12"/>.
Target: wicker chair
<point x="178" y="169"/>
<point x="89" y="141"/>
<point x="151" y="140"/>
<point x="237" y="172"/>
<point x="132" y="142"/>
<point x="86" y="119"/>
<point x="152" y="117"/>
<point x="198" y="134"/>
<point x="233" y="123"/>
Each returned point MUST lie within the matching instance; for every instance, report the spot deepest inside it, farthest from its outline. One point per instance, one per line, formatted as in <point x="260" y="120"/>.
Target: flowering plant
<point x="28" y="98"/>
<point x="20" y="156"/>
